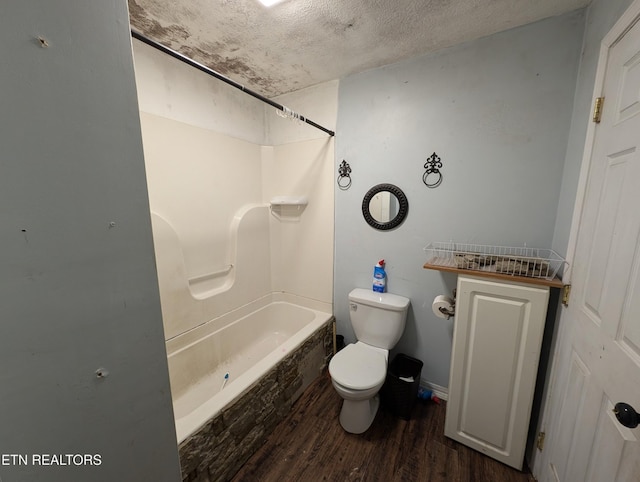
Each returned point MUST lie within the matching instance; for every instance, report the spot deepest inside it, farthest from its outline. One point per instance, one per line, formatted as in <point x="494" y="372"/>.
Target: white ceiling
<point x="299" y="43"/>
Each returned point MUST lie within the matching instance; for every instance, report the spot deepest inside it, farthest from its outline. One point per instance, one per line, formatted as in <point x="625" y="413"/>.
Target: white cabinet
<point x="496" y="348"/>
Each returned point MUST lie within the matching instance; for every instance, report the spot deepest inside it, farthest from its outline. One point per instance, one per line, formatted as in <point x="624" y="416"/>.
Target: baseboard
<point x="441" y="392"/>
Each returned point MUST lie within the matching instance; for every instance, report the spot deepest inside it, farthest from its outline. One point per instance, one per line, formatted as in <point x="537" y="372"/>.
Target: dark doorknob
<point x="626" y="415"/>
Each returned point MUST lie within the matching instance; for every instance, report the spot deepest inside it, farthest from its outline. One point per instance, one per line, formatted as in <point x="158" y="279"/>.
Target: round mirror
<point x="385" y="206"/>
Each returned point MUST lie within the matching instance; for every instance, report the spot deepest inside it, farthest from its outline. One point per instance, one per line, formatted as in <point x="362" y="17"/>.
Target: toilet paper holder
<point x="447" y="312"/>
<point x="451" y="310"/>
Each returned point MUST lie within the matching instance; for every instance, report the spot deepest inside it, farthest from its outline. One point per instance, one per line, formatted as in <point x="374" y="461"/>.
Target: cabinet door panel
<point x="496" y="347"/>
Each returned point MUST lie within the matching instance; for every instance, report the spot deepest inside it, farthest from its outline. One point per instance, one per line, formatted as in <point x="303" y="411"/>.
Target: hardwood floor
<point x="310" y="445"/>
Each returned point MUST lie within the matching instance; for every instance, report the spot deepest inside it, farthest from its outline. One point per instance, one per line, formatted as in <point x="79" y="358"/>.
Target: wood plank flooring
<point x="310" y="445"/>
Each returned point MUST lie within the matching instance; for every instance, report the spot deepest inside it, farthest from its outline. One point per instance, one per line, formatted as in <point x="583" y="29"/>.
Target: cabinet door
<point x="496" y="347"/>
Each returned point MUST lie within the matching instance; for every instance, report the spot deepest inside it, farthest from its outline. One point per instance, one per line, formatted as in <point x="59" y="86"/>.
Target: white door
<point x="597" y="362"/>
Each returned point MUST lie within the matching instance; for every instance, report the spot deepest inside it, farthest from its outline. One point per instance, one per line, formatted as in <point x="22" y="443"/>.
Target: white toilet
<point x="358" y="371"/>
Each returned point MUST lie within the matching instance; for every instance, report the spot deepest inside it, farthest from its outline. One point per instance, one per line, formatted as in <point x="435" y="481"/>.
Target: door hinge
<point x="597" y="110"/>
<point x="540" y="441"/>
<point x="566" y="294"/>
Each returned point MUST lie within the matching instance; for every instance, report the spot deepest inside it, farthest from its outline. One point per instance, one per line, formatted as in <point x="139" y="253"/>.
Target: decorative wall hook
<point x="344" y="176"/>
<point x="432" y="176"/>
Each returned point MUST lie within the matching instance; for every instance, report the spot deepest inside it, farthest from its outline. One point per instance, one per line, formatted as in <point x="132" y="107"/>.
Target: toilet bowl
<point x="358" y="371"/>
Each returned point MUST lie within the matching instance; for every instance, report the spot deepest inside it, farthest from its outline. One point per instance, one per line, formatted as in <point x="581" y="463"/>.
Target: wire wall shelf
<point x="523" y="261"/>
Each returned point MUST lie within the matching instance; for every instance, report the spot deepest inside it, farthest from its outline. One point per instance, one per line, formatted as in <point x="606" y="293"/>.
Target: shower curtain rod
<point x="219" y="76"/>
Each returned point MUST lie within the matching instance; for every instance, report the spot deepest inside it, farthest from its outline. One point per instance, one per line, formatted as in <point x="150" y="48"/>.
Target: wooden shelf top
<point x="436" y="264"/>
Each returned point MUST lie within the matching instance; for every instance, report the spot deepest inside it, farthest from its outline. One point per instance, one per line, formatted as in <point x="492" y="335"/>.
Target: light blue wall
<point x="601" y="15"/>
<point x="497" y="111"/>
<point x="77" y="294"/>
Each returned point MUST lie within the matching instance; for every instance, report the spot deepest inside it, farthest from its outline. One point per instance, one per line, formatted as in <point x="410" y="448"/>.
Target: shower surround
<point x="245" y="291"/>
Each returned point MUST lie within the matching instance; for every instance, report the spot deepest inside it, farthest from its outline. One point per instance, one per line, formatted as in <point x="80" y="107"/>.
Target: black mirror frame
<point x="402" y="211"/>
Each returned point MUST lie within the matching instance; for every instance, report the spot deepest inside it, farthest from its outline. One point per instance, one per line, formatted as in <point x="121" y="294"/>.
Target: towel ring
<point x="432" y="184"/>
<point x="344" y="176"/>
<point x="432" y="166"/>
<point x="344" y="182"/>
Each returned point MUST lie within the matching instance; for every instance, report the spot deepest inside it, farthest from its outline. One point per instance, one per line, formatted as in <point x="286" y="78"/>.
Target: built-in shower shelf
<point x="288" y="208"/>
<point x="300" y="201"/>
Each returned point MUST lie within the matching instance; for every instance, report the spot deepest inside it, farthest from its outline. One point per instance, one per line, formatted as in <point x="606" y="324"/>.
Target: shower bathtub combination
<point x="235" y="376"/>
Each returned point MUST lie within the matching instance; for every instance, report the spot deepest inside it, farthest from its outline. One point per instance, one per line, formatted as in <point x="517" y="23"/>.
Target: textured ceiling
<point x="299" y="43"/>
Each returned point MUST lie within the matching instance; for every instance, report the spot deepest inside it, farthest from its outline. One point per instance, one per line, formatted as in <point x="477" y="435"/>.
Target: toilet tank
<point x="378" y="319"/>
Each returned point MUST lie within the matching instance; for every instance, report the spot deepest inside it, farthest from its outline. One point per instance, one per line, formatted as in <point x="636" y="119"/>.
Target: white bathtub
<point x="246" y="344"/>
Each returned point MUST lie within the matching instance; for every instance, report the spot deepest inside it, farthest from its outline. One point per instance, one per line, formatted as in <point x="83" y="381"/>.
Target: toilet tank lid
<point x="387" y="301"/>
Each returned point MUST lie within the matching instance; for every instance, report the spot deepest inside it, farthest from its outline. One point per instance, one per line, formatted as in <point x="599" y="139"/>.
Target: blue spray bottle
<point x="379" y="277"/>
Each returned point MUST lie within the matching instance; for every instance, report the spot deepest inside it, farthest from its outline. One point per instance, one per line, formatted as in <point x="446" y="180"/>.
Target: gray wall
<point x="498" y="112"/>
<point x="77" y="295"/>
<point x="601" y="16"/>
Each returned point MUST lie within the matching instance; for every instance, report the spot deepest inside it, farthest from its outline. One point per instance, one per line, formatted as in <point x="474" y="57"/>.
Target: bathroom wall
<point x="212" y="152"/>
<point x="601" y="15"/>
<point x="172" y="89"/>
<point x="192" y="185"/>
<point x="79" y="288"/>
<point x="302" y="163"/>
<point x="302" y="242"/>
<point x="497" y="111"/>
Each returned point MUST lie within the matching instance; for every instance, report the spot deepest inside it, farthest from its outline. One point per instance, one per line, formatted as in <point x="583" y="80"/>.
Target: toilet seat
<point x="358" y="367"/>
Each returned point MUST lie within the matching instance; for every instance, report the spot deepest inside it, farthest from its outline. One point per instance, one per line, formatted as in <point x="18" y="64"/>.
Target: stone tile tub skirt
<point x="271" y="355"/>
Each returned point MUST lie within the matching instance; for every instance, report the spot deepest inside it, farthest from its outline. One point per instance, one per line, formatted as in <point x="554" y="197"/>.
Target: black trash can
<point x="400" y="389"/>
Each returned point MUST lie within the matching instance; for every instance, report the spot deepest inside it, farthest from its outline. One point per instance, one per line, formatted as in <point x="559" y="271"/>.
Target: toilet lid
<point x="358" y="367"/>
